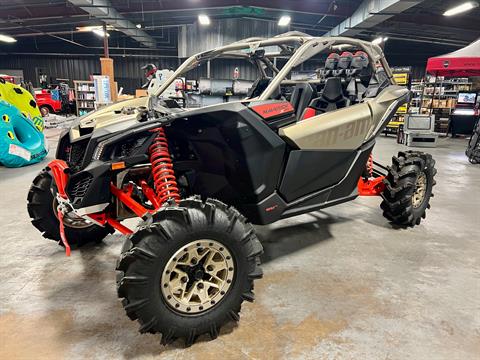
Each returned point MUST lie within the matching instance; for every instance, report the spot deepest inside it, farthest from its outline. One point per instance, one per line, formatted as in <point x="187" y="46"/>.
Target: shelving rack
<point x="438" y="97"/>
<point x="84" y="96"/>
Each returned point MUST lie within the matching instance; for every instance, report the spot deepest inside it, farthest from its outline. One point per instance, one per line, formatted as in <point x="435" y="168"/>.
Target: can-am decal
<point x="270" y="110"/>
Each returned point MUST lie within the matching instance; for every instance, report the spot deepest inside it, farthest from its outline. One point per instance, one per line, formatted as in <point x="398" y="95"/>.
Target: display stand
<point x="84" y="96"/>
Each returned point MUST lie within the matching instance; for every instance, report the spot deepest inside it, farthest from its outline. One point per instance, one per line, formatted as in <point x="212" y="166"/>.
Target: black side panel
<point x="238" y="158"/>
<point x="349" y="184"/>
<point x="308" y="171"/>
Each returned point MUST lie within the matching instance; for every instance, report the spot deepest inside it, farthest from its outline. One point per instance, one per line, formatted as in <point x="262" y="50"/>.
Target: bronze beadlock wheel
<point x="408" y="188"/>
<point x="70" y="219"/>
<point x="197" y="276"/>
<point x="420" y="190"/>
<point x="187" y="272"/>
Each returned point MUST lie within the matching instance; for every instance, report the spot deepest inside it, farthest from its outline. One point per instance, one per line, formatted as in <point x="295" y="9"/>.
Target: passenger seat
<point x="358" y="77"/>
<point x="331" y="98"/>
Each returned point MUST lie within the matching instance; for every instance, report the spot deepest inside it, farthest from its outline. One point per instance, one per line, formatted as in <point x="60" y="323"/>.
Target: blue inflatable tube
<point x="21" y="143"/>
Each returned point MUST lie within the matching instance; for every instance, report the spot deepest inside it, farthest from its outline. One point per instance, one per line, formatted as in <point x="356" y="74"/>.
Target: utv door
<point x="328" y="146"/>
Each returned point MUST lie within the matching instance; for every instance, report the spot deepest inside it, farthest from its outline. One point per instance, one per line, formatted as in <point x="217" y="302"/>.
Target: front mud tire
<point x="408" y="188"/>
<point x="147" y="255"/>
<point x="40" y="205"/>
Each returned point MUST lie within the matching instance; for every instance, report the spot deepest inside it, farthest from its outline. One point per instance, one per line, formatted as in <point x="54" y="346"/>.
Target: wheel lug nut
<point x="200" y="285"/>
<point x="210" y="268"/>
<point x="184" y="279"/>
<point x="194" y="261"/>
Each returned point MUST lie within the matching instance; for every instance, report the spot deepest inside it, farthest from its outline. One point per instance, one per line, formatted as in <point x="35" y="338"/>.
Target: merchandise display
<point x="21" y="141"/>
<point x="200" y="177"/>
<point x="23" y="101"/>
<point x="419" y="130"/>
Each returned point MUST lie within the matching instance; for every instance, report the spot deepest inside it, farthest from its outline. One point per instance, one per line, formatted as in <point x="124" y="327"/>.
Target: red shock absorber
<point x="165" y="182"/>
<point x="370" y="165"/>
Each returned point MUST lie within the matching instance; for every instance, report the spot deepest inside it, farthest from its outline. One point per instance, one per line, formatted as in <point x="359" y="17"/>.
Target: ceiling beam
<point x="369" y="14"/>
<point x="103" y="10"/>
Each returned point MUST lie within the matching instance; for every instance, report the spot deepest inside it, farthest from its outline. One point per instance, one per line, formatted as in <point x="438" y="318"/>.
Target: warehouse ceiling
<point x="51" y="26"/>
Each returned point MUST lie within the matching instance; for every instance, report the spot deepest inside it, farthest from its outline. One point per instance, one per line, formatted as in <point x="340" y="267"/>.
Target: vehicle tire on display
<point x="408" y="188"/>
<point x="45" y="111"/>
<point x="188" y="272"/>
<point x="41" y="204"/>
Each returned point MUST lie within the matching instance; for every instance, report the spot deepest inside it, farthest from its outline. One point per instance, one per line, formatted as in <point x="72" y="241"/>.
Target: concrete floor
<point x="339" y="283"/>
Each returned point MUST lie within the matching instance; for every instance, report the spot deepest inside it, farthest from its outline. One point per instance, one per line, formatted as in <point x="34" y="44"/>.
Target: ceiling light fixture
<point x="7" y="39"/>
<point x="469" y="5"/>
<point x="284" y="20"/>
<point x="99" y="32"/>
<point x="203" y="19"/>
<point x="138" y="26"/>
<point x="94" y="27"/>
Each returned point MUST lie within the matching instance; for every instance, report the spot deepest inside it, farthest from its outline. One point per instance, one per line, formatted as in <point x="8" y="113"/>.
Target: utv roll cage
<point x="296" y="46"/>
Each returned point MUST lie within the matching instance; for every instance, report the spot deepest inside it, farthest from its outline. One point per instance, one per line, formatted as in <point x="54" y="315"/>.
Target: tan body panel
<point x="346" y="128"/>
<point x="107" y="116"/>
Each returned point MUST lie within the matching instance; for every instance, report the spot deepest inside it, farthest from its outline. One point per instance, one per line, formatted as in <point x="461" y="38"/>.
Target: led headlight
<point x="99" y="150"/>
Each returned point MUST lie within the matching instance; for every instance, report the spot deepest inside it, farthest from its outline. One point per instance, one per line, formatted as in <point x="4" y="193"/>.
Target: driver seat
<point x="302" y="94"/>
<point x="331" y="98"/>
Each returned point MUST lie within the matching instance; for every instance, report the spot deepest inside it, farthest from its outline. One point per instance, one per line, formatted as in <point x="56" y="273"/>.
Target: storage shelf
<point x="81" y="103"/>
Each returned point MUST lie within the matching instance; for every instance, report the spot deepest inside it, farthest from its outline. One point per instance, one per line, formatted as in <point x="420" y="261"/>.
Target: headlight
<point x="112" y="149"/>
<point x="97" y="154"/>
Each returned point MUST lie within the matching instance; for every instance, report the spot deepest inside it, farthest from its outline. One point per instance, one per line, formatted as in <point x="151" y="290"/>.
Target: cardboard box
<point x="140" y="93"/>
<point x="125" y="97"/>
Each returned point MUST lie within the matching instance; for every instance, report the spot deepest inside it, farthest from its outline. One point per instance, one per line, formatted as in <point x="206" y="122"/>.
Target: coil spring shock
<point x="165" y="182"/>
<point x="370" y="165"/>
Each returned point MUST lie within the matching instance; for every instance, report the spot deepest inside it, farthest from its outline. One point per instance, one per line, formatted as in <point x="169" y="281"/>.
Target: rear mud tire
<point x="40" y="208"/>
<point x="146" y="255"/>
<point x="408" y="188"/>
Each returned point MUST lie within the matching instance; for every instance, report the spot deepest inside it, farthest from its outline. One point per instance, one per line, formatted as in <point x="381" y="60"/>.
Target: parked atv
<point x="200" y="177"/>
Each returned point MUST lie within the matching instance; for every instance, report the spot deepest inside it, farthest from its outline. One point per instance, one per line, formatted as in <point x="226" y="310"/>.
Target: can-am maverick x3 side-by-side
<point x="200" y="177"/>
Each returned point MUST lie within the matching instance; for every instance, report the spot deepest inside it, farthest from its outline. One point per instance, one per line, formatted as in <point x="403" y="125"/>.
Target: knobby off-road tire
<point x="41" y="204"/>
<point x="194" y="229"/>
<point x="408" y="188"/>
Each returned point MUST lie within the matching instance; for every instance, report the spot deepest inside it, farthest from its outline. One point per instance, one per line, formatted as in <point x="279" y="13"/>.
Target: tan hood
<point x="121" y="111"/>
